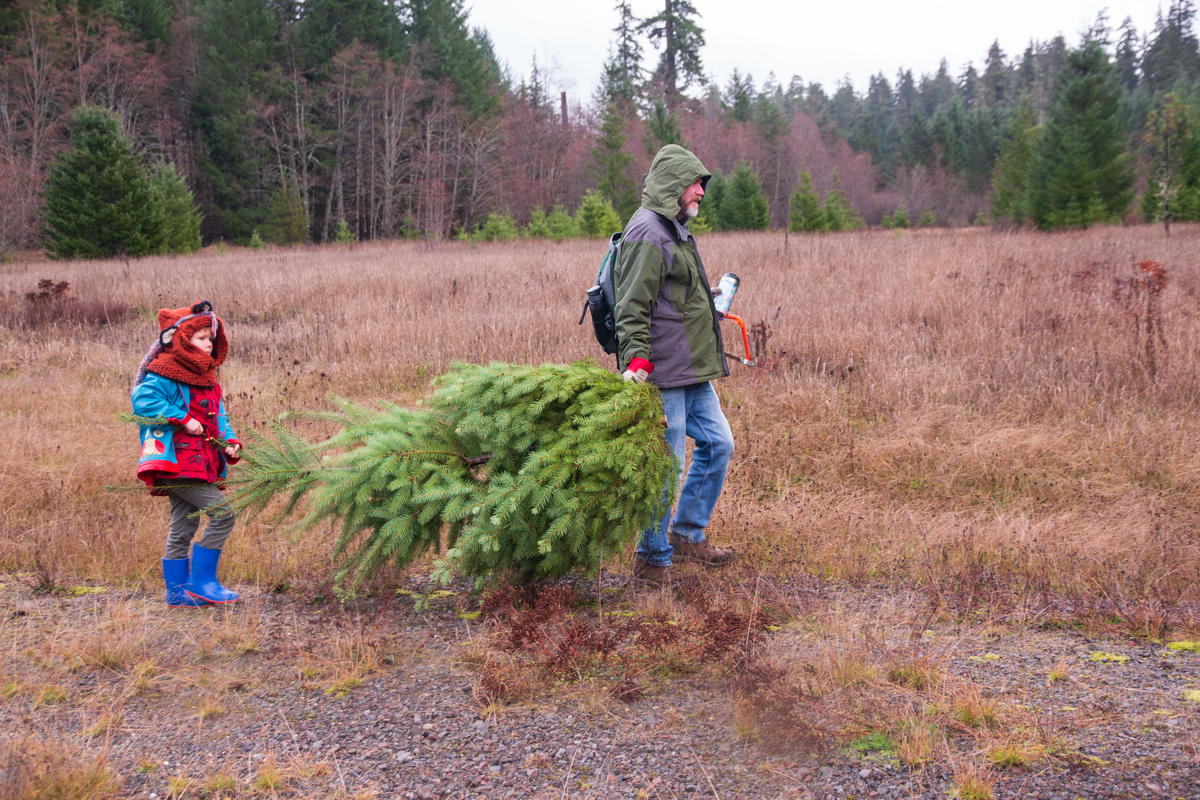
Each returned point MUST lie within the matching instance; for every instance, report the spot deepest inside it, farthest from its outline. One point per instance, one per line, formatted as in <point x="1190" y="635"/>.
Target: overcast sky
<point x="823" y="41"/>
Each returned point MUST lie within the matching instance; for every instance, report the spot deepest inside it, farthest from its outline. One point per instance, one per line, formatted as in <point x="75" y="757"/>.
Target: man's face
<point x="689" y="202"/>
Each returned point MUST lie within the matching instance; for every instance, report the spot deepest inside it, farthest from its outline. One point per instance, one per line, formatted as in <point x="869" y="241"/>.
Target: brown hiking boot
<point x="701" y="552"/>
<point x="650" y="575"/>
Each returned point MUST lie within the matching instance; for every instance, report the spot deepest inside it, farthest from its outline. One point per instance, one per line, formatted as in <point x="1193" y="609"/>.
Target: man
<point x="668" y="334"/>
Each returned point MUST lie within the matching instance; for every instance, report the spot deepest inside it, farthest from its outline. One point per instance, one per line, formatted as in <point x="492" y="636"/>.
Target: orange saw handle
<point x="749" y="359"/>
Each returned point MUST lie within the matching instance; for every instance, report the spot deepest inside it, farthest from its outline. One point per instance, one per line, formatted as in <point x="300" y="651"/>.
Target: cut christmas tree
<point x="525" y="472"/>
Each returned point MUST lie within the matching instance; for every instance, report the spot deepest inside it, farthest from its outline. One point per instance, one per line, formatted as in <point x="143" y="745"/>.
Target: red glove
<point x="638" y="370"/>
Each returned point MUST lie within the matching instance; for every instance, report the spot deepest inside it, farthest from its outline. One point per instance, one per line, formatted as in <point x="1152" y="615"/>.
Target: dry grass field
<point x="963" y="410"/>
<point x="1003" y="424"/>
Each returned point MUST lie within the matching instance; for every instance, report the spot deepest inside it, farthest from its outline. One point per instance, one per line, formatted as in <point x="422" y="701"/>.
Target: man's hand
<point x="638" y="371"/>
<point x="717" y="292"/>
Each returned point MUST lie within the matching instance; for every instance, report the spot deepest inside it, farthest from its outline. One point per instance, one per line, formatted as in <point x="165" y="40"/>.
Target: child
<point x="185" y="458"/>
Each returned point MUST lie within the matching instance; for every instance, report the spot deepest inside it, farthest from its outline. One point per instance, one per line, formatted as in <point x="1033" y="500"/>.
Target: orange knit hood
<point x="176" y="357"/>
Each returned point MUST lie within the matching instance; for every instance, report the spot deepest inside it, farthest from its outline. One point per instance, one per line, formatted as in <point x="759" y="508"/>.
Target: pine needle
<point x="530" y="472"/>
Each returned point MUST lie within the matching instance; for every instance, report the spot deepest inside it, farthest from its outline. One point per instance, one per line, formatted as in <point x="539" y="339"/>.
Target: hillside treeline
<point x="310" y="120"/>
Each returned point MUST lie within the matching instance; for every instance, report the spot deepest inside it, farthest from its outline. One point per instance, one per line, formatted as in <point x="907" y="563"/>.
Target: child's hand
<point x="193" y="427"/>
<point x="232" y="450"/>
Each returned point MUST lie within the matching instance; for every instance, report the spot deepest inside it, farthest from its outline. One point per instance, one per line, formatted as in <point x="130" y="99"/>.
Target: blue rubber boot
<point x="203" y="584"/>
<point x="175" y="575"/>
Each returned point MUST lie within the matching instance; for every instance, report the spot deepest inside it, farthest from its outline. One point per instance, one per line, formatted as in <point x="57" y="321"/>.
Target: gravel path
<point x="381" y="700"/>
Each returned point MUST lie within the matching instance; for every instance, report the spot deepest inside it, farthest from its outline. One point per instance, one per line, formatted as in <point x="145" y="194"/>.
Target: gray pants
<point x="186" y="500"/>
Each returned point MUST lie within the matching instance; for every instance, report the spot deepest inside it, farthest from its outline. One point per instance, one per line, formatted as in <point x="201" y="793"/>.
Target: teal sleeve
<point x="226" y="430"/>
<point x="156" y="397"/>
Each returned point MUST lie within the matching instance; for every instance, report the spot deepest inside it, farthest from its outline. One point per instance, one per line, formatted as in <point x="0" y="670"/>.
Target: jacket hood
<point x="187" y="321"/>
<point x="673" y="170"/>
<point x="174" y="356"/>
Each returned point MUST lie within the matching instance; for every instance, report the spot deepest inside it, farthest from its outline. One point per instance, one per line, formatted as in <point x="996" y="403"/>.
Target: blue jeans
<point x="691" y="411"/>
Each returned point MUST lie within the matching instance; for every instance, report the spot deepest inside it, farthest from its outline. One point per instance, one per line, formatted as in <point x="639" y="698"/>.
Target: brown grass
<point x="866" y="677"/>
<point x="31" y="768"/>
<point x="976" y="413"/>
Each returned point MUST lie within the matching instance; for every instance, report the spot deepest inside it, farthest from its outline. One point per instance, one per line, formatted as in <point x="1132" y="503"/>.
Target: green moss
<point x="874" y="742"/>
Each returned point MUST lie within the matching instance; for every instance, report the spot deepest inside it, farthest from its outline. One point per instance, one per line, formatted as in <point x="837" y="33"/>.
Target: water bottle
<point x="728" y="286"/>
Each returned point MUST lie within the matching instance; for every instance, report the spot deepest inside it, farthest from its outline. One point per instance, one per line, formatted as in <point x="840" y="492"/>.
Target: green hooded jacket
<point x="664" y="309"/>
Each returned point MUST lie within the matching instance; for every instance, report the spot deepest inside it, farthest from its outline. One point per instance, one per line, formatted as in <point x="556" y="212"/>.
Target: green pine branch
<point x="526" y="471"/>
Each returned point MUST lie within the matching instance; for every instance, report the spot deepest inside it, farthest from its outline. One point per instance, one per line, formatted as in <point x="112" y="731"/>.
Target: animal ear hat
<point x="176" y="327"/>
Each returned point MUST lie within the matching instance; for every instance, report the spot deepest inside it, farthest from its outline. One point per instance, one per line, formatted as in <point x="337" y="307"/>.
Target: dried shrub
<point x="1140" y="296"/>
<point x="781" y="713"/>
<point x="500" y="683"/>
<point x="52" y="303"/>
<point x="553" y="635"/>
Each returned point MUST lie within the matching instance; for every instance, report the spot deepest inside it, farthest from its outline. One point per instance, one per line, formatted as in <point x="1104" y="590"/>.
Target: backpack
<point x="601" y="300"/>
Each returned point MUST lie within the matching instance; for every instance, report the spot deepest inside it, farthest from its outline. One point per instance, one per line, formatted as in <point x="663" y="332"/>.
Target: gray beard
<point x="691" y="211"/>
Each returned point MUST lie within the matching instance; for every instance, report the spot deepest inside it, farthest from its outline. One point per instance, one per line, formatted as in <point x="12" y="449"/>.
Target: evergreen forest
<point x="164" y="124"/>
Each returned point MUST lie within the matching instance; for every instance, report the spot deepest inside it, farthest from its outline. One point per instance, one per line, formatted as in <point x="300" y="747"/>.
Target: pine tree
<point x="148" y="20"/>
<point x="662" y="128"/>
<point x="806" y="215"/>
<point x="181" y="217"/>
<point x="744" y="206"/>
<point x="538" y="228"/>
<point x="844" y="107"/>
<point x="1127" y="59"/>
<point x="596" y="216"/>
<point x="344" y="235"/>
<point x="709" y="218"/>
<point x="287" y="217"/>
<point x="238" y="48"/>
<point x="610" y="164"/>
<point x="897" y="219"/>
<point x="496" y="228"/>
<point x="938" y="90"/>
<point x="1173" y="153"/>
<point x="950" y="131"/>
<point x="1009" y="200"/>
<point x="1049" y="62"/>
<point x="995" y="80"/>
<point x="839" y="214"/>
<point x="681" y="37"/>
<point x="98" y="200"/>
<point x="737" y="99"/>
<point x="875" y="129"/>
<point x="560" y="224"/>
<point x="329" y="26"/>
<point x="1173" y="54"/>
<point x="970" y="90"/>
<point x="1081" y="174"/>
<point x="621" y="78"/>
<point x="450" y="51"/>
<point x="916" y="142"/>
<point x="529" y="472"/>
<point x="776" y="165"/>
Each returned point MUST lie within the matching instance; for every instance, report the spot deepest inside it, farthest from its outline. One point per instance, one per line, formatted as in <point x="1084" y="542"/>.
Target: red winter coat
<point x="169" y="452"/>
